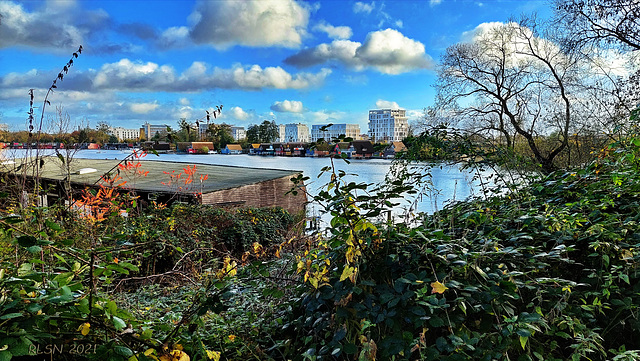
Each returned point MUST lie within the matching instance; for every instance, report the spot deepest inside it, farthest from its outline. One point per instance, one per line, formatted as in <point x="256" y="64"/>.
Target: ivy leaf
<point x="437" y="287"/>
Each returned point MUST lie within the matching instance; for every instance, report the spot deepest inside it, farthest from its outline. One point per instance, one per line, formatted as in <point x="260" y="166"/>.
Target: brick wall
<point x="264" y="194"/>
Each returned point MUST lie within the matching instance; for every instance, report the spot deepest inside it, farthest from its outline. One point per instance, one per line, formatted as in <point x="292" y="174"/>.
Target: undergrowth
<point x="549" y="271"/>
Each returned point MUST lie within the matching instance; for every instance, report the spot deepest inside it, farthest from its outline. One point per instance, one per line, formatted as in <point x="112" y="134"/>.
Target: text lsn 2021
<point x="53" y="349"/>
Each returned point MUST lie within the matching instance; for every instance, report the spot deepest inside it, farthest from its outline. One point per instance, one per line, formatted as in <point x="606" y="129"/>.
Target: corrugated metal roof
<point x="219" y="176"/>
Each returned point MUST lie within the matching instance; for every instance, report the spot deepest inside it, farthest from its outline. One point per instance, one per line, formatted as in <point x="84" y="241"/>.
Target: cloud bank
<point x="386" y="51"/>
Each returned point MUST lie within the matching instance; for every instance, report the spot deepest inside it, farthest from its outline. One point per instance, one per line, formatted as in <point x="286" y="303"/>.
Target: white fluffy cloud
<point x="288" y="106"/>
<point x="222" y="24"/>
<point x="387" y="51"/>
<point x="385" y="104"/>
<point x="435" y="2"/>
<point x="138" y="76"/>
<point x="143" y="108"/>
<point x="334" y="32"/>
<point x="237" y="113"/>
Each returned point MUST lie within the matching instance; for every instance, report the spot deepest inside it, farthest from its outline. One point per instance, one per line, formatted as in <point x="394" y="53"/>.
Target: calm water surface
<point x="449" y="182"/>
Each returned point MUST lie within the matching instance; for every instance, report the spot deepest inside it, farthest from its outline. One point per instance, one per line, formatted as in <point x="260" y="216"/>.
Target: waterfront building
<point x="281" y="133"/>
<point x="388" y="125"/>
<point x="124" y="133"/>
<point x="296" y="133"/>
<point x="334" y="131"/>
<point x="148" y="131"/>
<point x="238" y="133"/>
<point x="202" y="130"/>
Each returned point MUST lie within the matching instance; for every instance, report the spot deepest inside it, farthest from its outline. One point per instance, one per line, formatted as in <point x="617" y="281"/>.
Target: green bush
<point x="550" y="272"/>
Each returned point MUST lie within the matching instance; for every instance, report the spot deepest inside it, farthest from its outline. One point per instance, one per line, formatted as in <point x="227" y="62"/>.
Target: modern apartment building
<point x="281" y="133"/>
<point x="202" y="130"/>
<point x="148" y="131"/>
<point x="334" y="131"/>
<point x="124" y="133"/>
<point x="388" y="125"/>
<point x="295" y="133"/>
<point x="238" y="133"/>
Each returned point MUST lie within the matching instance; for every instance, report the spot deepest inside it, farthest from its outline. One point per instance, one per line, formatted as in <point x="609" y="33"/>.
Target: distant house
<point x="255" y="149"/>
<point x="361" y="149"/>
<point x="231" y="149"/>
<point x="195" y="147"/>
<point x="339" y="148"/>
<point x="296" y="149"/>
<point x="393" y="149"/>
<point x="278" y="148"/>
<point x="160" y="147"/>
<point x="267" y="149"/>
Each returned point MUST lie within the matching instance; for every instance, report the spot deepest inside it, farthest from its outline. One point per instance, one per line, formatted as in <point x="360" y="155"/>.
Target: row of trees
<point x="539" y="84"/>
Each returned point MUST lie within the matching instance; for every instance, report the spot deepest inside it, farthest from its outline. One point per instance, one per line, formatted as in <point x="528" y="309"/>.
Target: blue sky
<point x="313" y="62"/>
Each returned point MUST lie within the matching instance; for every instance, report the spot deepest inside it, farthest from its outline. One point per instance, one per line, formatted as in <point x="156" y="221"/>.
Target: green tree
<point x="219" y="135"/>
<point x="253" y="134"/>
<point x="186" y="131"/>
<point x="268" y="131"/>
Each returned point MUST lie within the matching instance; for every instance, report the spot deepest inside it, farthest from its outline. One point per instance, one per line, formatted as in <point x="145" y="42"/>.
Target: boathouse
<point x="166" y="182"/>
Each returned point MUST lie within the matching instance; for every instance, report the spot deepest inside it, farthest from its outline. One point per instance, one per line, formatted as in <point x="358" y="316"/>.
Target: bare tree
<point x="611" y="22"/>
<point x="606" y="25"/>
<point x="512" y="81"/>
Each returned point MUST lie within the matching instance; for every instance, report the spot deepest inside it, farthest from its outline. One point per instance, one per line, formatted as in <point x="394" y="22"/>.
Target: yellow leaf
<point x="346" y="273"/>
<point x="178" y="355"/>
<point x="232" y="338"/>
<point x="213" y="355"/>
<point x="314" y="282"/>
<point x="84" y="328"/>
<point x="437" y="287"/>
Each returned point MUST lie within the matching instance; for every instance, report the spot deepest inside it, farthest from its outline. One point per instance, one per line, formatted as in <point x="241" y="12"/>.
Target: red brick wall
<point x="264" y="194"/>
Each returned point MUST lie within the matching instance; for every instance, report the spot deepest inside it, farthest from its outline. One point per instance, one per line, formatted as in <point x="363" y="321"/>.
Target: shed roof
<point x="219" y="176"/>
<point x="234" y="147"/>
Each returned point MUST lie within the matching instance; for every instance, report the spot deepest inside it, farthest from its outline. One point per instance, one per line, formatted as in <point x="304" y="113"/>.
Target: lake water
<point x="447" y="182"/>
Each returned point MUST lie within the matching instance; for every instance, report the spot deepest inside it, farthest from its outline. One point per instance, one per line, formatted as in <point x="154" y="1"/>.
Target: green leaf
<point x="123" y="351"/>
<point x="52" y="225"/>
<point x="523" y="341"/>
<point x="146" y="334"/>
<point x="5" y="355"/>
<point x="625" y="278"/>
<point x="111" y="307"/>
<point x="118" y="323"/>
<point x="9" y="316"/>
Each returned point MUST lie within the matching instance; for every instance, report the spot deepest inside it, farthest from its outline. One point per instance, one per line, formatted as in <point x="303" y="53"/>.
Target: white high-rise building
<point x="295" y="133"/>
<point x="282" y="133"/>
<point x="238" y="133"/>
<point x="388" y="125"/>
<point x="334" y="131"/>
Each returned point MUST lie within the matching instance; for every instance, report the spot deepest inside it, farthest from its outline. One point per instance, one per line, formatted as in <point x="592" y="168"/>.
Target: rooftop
<point x="89" y="171"/>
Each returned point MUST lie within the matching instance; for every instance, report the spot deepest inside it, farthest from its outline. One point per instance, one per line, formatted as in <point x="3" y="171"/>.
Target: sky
<point x="310" y="62"/>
